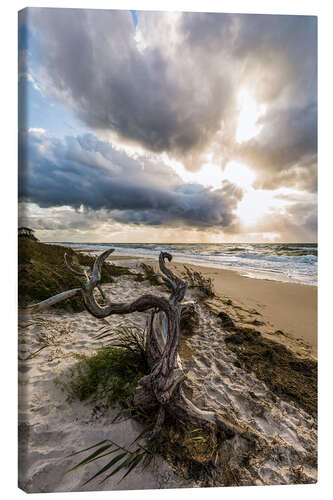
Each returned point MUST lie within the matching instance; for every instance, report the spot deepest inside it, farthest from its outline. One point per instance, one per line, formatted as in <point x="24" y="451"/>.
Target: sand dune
<point x="51" y="428"/>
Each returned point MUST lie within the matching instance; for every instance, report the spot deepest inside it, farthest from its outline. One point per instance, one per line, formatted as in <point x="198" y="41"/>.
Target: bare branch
<point x="164" y="269"/>
<point x="99" y="288"/>
<point x="179" y="286"/>
<point x="78" y="273"/>
<point x="96" y="274"/>
<point x="141" y="304"/>
<point x="162" y="386"/>
<point x="166" y="280"/>
<point x="83" y="273"/>
<point x="52" y="300"/>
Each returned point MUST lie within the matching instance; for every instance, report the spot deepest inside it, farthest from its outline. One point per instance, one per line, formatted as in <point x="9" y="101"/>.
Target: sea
<point x="286" y="262"/>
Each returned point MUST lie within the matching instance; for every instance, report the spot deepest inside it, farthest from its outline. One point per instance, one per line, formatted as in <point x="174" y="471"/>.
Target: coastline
<point x="289" y="307"/>
<point x="287" y="263"/>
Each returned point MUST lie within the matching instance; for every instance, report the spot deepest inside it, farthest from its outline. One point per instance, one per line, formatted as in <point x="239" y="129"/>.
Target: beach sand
<point x="290" y="307"/>
<point x="51" y="427"/>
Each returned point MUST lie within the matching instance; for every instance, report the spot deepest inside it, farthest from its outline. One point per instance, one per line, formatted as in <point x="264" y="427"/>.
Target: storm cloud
<point x="285" y="152"/>
<point x="144" y="96"/>
<point x="171" y="84"/>
<point x="90" y="175"/>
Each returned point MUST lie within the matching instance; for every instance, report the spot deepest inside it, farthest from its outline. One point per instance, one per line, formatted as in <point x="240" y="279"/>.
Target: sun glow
<point x="256" y="203"/>
<point x="209" y="175"/>
<point x="239" y="174"/>
<point x="249" y="113"/>
<point x="212" y="175"/>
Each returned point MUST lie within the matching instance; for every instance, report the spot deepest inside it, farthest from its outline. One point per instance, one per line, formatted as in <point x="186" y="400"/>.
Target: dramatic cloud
<point x="172" y="83"/>
<point x="150" y="97"/>
<point x="285" y="152"/>
<point x="298" y="223"/>
<point x="90" y="175"/>
<point x="196" y="121"/>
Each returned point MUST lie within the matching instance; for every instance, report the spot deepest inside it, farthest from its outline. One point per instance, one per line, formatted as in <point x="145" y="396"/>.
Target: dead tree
<point x="161" y="389"/>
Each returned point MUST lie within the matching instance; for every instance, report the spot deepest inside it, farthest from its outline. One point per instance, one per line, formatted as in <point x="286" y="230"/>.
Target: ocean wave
<point x="308" y="259"/>
<point x="282" y="262"/>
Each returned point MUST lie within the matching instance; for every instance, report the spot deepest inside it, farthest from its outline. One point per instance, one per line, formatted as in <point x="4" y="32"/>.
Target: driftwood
<point x="161" y="389"/>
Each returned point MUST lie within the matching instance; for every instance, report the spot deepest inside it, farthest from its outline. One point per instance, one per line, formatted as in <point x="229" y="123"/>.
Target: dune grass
<point x="109" y="376"/>
<point x="41" y="273"/>
<point x="199" y="282"/>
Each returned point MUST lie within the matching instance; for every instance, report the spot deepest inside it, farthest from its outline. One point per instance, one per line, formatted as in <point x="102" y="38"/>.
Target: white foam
<point x="286" y="263"/>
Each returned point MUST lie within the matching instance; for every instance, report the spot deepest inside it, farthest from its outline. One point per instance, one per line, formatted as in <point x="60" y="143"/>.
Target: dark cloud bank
<point x="88" y="173"/>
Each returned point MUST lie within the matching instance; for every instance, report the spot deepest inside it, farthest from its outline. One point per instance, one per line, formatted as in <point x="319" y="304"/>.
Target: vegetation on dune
<point x="26" y="232"/>
<point x="289" y="376"/>
<point x="108" y="378"/>
<point x="149" y="274"/>
<point x="110" y="375"/>
<point x="288" y="373"/>
<point x="41" y="273"/>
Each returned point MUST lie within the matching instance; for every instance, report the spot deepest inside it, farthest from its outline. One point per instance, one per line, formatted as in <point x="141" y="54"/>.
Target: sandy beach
<point x="289" y="307"/>
<point x="51" y="427"/>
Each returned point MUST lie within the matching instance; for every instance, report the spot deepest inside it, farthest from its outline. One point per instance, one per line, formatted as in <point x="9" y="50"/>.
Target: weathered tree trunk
<point x="161" y="388"/>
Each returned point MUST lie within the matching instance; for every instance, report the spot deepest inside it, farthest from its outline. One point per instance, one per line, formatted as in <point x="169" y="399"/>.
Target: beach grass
<point x="41" y="273"/>
<point x="109" y="376"/>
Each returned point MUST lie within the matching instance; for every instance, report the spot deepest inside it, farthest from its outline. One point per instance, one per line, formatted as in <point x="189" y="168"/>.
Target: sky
<point x="167" y="127"/>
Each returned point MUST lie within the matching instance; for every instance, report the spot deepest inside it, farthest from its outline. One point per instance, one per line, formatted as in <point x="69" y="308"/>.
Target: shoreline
<point x="289" y="307"/>
<point x="260" y="273"/>
<point x="188" y="262"/>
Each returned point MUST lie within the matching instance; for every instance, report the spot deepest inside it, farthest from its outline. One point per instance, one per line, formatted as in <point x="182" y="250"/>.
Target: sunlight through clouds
<point x="212" y="175"/>
<point x="191" y="121"/>
<point x="239" y="174"/>
<point x="250" y="112"/>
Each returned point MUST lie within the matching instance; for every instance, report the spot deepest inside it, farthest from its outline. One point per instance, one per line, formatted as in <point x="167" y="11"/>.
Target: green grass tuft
<point x="108" y="376"/>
